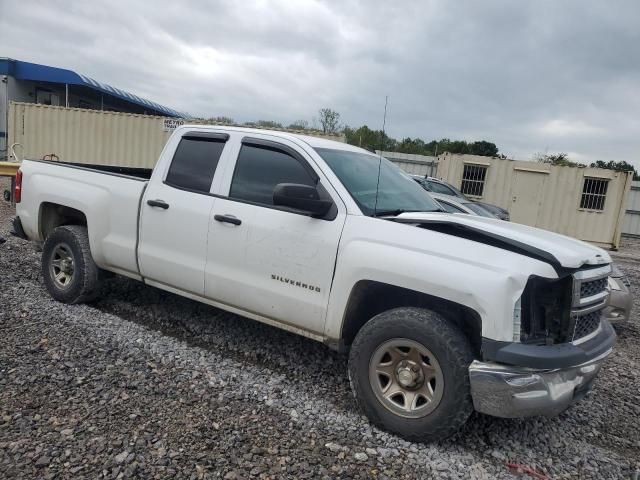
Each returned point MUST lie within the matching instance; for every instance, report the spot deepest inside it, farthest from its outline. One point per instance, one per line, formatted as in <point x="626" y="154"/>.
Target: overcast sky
<point x="531" y="76"/>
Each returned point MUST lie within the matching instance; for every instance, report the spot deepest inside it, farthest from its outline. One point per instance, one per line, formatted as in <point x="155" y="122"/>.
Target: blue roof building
<point x="35" y="83"/>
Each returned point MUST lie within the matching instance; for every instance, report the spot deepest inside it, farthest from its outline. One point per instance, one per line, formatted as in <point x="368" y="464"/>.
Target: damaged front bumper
<point x="504" y="391"/>
<point x="512" y="391"/>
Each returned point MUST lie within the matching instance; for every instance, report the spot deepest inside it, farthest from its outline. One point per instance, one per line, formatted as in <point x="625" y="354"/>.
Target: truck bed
<point x="108" y="196"/>
<point x="131" y="172"/>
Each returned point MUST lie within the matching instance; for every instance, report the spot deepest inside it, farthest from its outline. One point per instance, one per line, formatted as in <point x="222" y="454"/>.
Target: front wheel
<point x="70" y="274"/>
<point x="408" y="369"/>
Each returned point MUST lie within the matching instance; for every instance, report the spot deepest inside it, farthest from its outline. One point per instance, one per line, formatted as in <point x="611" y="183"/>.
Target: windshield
<point x="358" y="172"/>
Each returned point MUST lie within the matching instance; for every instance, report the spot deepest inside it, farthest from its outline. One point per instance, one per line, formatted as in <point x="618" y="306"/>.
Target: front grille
<point x="593" y="287"/>
<point x="586" y="324"/>
<point x="590" y="298"/>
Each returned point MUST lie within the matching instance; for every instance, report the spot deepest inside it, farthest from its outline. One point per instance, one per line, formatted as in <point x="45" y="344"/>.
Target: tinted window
<point x="194" y="164"/>
<point x="440" y="188"/>
<point x="259" y="170"/>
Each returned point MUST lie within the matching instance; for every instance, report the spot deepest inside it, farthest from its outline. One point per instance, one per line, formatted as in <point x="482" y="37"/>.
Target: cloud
<point x="530" y="76"/>
<point x="569" y="128"/>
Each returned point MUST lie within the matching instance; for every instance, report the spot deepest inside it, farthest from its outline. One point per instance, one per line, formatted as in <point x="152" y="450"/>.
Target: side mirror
<point x="301" y="197"/>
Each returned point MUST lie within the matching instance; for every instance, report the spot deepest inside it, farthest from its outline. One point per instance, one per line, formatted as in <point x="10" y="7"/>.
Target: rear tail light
<point x="17" y="190"/>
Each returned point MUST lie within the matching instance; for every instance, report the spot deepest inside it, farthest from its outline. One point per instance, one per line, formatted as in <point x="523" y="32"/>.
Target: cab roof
<point x="312" y="141"/>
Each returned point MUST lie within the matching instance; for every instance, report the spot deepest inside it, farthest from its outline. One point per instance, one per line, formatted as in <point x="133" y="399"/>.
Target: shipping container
<point x="631" y="223"/>
<point x="87" y="136"/>
<point x="96" y="136"/>
<point x="584" y="203"/>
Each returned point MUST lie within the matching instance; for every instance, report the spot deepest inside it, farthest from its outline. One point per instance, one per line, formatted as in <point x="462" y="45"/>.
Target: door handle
<point x="158" y="203"/>
<point x="227" y="219"/>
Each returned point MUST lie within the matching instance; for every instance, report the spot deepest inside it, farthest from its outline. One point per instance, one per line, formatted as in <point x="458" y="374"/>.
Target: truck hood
<point x="558" y="250"/>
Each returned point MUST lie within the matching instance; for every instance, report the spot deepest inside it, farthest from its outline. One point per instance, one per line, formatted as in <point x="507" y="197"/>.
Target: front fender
<point x="483" y="278"/>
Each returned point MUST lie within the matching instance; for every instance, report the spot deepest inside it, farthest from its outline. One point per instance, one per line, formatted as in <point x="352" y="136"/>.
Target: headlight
<point x="613" y="285"/>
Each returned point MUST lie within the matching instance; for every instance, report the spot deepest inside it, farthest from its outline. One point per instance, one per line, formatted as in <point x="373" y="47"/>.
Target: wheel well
<point x="53" y="215"/>
<point x="369" y="298"/>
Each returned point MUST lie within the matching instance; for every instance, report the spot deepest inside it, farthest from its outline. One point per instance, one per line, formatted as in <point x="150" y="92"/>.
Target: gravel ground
<point x="146" y="384"/>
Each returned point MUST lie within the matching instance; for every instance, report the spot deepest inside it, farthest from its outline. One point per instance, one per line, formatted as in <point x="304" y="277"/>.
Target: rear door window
<point x="195" y="162"/>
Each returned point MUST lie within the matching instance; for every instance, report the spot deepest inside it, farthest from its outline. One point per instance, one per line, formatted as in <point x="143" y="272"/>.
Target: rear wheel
<point x="70" y="274"/>
<point x="409" y="372"/>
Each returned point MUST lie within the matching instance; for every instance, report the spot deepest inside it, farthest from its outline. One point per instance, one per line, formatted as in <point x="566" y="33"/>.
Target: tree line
<point x="562" y="159"/>
<point x="328" y="121"/>
<point x="375" y="140"/>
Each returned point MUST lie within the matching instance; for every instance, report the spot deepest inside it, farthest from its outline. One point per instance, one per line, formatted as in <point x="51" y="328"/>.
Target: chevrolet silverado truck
<point x="440" y="313"/>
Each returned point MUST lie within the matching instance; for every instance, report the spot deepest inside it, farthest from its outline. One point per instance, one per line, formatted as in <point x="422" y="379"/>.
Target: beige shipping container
<point x="95" y="136"/>
<point x="584" y="203"/>
<point x="631" y="223"/>
<point x="87" y="136"/>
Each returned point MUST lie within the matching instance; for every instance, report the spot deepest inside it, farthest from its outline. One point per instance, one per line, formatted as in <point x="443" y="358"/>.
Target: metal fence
<point x="412" y="163"/>
<point x="631" y="222"/>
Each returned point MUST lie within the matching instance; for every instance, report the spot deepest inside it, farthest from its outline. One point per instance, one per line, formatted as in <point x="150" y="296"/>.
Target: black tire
<point x="84" y="282"/>
<point x="453" y="355"/>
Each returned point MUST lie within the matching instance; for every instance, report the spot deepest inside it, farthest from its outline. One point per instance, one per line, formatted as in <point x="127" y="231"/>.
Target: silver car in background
<point x="458" y="205"/>
<point x="440" y="187"/>
<point x="620" y="300"/>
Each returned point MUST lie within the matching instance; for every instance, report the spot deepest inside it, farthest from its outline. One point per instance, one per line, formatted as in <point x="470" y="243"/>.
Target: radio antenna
<point x="382" y="142"/>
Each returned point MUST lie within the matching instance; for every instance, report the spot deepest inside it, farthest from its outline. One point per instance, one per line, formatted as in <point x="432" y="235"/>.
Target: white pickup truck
<point x="441" y="313"/>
